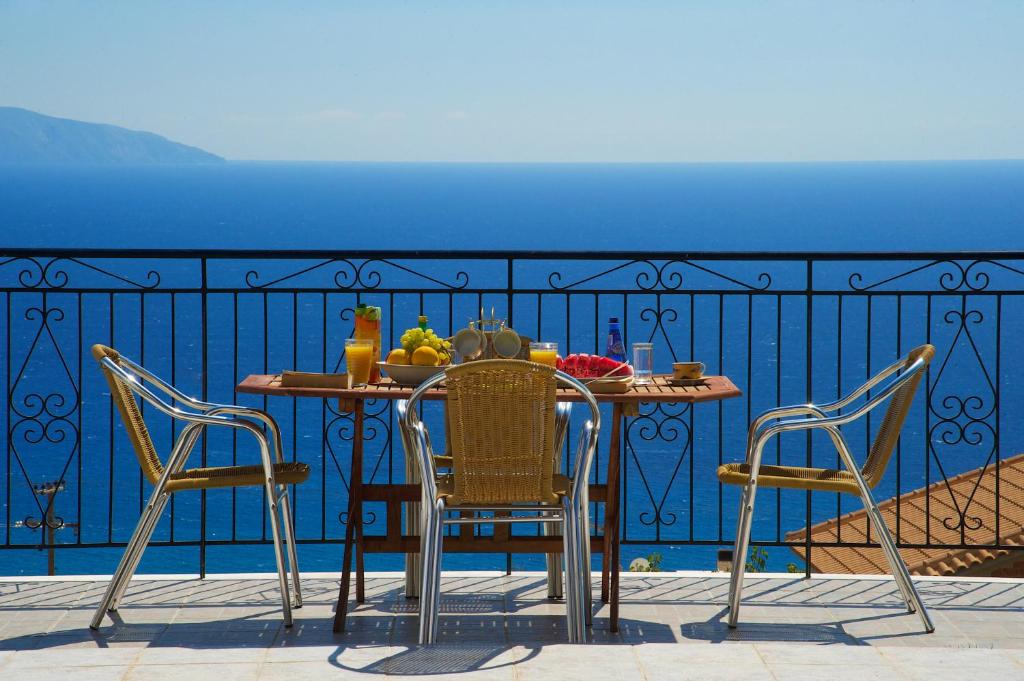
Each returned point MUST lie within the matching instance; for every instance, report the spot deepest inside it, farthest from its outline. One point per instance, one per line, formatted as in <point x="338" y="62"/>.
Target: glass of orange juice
<point x="544" y="353"/>
<point x="358" y="360"/>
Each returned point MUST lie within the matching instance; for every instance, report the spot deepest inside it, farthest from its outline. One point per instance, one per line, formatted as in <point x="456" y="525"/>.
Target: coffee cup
<point x="468" y="342"/>
<point x="507" y="343"/>
<point x="687" y="370"/>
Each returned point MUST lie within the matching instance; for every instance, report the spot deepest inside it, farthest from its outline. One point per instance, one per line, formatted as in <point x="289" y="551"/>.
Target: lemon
<point x="397" y="356"/>
<point x="425" y="356"/>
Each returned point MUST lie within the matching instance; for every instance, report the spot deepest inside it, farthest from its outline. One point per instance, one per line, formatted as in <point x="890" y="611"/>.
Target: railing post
<point x="205" y="380"/>
<point x="809" y="359"/>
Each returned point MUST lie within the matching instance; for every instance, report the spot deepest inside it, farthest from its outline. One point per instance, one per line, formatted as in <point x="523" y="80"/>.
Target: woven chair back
<point x="131" y="415"/>
<point x="502" y="423"/>
<point x="896" y="413"/>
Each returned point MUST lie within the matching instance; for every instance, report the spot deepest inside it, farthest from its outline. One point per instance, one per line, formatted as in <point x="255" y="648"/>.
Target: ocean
<point x="700" y="207"/>
<point x="889" y="207"/>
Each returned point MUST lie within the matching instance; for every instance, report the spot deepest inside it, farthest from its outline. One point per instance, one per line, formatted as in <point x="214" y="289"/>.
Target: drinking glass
<point x="544" y="353"/>
<point x="358" y="360"/>
<point x="643" y="363"/>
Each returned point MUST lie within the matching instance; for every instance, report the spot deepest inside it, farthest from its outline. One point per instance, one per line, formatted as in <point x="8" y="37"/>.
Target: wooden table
<point x="394" y="495"/>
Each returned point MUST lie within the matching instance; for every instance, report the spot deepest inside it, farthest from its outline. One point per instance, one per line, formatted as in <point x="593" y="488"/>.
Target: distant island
<point x="33" y="138"/>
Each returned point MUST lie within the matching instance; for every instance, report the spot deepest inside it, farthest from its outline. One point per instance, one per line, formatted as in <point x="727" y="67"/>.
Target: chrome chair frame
<point x="761" y="431"/>
<point x="206" y="414"/>
<point x="413" y="579"/>
<point x="573" y="513"/>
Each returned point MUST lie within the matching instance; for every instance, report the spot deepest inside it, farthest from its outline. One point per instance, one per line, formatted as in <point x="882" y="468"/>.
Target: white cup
<point x="468" y="342"/>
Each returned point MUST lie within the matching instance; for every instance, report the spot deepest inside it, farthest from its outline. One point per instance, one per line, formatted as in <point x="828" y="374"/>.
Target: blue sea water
<point x="734" y="207"/>
<point x="728" y="207"/>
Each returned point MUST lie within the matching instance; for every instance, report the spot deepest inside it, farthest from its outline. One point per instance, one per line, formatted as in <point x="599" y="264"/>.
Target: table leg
<point x="610" y="559"/>
<point x="355" y="514"/>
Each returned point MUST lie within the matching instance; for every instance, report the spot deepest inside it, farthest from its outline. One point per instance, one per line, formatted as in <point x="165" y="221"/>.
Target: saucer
<point x="687" y="382"/>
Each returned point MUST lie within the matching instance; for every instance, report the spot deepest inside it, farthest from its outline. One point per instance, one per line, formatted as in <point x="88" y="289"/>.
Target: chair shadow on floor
<point x="716" y="630"/>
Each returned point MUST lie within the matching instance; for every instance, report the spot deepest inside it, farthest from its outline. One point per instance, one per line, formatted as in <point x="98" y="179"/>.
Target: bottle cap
<point x="613" y="320"/>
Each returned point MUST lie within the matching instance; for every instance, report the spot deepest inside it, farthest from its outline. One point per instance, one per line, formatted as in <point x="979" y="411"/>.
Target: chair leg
<point x="426" y="557"/>
<point x="435" y="571"/>
<point x="574" y="591"/>
<point x="289" y="537"/>
<point x="588" y="592"/>
<point x="554" y="565"/>
<point x="282" y="576"/>
<point x="739" y="552"/>
<point x="131" y="557"/>
<point x="137" y="550"/>
<point x="896" y="564"/>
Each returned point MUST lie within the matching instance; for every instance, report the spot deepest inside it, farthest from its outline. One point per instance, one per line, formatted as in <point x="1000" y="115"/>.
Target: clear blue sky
<point x="525" y="81"/>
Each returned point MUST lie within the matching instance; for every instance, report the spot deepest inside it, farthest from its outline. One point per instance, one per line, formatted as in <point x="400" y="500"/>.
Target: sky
<point x="586" y="81"/>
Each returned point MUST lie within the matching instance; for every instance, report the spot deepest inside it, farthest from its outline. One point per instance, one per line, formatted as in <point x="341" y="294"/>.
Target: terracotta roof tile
<point x="930" y="515"/>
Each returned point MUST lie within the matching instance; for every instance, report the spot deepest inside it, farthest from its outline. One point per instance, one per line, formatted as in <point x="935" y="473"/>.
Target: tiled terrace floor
<point x="498" y="627"/>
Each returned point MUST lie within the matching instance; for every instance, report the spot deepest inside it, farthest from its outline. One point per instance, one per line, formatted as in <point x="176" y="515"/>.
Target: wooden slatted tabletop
<point x="713" y="388"/>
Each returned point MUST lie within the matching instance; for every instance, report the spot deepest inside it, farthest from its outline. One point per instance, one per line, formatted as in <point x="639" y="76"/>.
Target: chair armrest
<point x="168" y="389"/>
<point x="852" y="397"/>
<point x="259" y="415"/>
<point x="772" y="414"/>
<point x="201" y="418"/>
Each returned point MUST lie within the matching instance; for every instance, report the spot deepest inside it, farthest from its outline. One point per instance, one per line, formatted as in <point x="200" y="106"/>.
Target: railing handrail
<point x="233" y="254"/>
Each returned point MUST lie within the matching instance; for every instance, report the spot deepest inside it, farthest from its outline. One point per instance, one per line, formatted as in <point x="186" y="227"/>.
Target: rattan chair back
<point x="896" y="413"/>
<point x="502" y="422"/>
<point x="131" y="415"/>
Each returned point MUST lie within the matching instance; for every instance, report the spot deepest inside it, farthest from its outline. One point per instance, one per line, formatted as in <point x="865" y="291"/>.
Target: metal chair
<point x="127" y="379"/>
<point x="413" y="580"/>
<point x="905" y="377"/>
<point x="503" y="435"/>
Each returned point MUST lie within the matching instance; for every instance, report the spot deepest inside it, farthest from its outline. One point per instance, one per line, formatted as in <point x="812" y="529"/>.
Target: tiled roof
<point x="943" y="527"/>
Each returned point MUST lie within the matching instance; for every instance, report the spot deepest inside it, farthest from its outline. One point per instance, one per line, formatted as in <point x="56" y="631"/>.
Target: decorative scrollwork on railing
<point x="252" y="277"/>
<point x="376" y="428"/>
<point x="365" y="275"/>
<point x="659" y="316"/>
<point x="655" y="277"/>
<point x="53" y="273"/>
<point x="666" y="424"/>
<point x="963" y="420"/>
<point x="369" y="277"/>
<point x="955" y="277"/>
<point x="42" y="404"/>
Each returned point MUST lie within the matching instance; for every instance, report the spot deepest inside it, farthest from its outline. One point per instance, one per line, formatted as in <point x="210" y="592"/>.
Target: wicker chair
<point x="127" y="379"/>
<point x="905" y="377"/>
<point x="503" y="434"/>
<point x="413" y="579"/>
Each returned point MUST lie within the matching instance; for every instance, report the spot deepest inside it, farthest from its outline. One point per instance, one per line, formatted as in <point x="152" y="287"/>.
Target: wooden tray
<point x="609" y="386"/>
<point x="305" y="379"/>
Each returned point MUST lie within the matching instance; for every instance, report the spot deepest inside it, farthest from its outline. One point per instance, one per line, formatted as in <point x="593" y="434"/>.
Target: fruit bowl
<point x="408" y="374"/>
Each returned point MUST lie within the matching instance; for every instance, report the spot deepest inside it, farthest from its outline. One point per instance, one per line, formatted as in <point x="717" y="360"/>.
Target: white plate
<point x="408" y="374"/>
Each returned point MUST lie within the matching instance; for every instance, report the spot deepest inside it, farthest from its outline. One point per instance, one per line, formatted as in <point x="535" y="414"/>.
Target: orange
<point x="397" y="356"/>
<point x="425" y="356"/>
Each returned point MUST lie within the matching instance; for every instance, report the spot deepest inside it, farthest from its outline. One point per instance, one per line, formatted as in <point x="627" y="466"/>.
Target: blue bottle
<point x="616" y="350"/>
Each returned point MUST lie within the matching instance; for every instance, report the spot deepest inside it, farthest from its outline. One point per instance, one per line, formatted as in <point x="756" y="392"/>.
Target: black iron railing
<point x="783" y="326"/>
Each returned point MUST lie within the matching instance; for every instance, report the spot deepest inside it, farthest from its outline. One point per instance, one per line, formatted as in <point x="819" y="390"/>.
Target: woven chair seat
<point x="446" y="486"/>
<point x="791" y="477"/>
<point x="236" y="476"/>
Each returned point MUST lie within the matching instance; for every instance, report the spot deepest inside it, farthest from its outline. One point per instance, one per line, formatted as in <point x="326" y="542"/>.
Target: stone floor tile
<point x="77" y="657"/>
<point x="309" y="671"/>
<point x="805" y="672"/>
<point x="61" y="673"/>
<point x="195" y="672"/>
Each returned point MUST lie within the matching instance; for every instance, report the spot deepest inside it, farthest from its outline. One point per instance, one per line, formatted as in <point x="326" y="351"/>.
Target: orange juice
<point x="358" y="360"/>
<point x="544" y="357"/>
<point x="368" y="328"/>
<point x="544" y="353"/>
